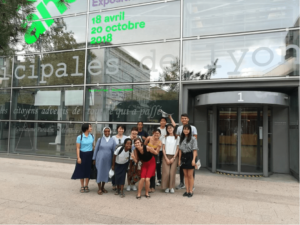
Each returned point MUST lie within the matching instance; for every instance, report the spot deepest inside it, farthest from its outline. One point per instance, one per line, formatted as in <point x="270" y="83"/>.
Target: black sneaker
<point x="185" y="194"/>
<point x="180" y="186"/>
<point x="190" y="195"/>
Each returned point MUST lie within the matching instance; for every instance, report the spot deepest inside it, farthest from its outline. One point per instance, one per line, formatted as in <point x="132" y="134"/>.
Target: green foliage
<point x="15" y="17"/>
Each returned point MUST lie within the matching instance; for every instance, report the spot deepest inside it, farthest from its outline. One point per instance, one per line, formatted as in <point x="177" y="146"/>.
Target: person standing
<point x="145" y="154"/>
<point x="103" y="153"/>
<point x="119" y="139"/>
<point x="184" y="120"/>
<point x="154" y="142"/>
<point x="84" y="150"/>
<point x="133" y="173"/>
<point x="143" y="134"/>
<point x="170" y="159"/>
<point x="187" y="158"/>
<point x="120" y="164"/>
<point x="163" y="130"/>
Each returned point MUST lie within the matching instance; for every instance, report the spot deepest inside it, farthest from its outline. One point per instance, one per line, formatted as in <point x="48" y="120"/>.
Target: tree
<point x="15" y="17"/>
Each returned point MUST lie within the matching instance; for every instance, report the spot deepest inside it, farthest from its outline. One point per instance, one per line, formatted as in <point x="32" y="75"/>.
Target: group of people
<point x="139" y="156"/>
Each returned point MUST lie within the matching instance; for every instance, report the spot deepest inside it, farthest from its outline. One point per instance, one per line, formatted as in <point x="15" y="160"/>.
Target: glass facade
<point x="117" y="61"/>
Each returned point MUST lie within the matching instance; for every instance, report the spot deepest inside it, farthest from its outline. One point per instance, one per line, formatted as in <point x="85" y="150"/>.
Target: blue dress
<point x="103" y="155"/>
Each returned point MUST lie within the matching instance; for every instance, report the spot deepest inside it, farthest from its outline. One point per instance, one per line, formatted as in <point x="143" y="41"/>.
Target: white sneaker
<point x="167" y="190"/>
<point x="133" y="187"/>
<point x="128" y="188"/>
<point x="172" y="191"/>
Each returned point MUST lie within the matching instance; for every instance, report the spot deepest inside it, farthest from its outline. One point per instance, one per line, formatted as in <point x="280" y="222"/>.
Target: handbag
<point x="93" y="172"/>
<point x="198" y="164"/>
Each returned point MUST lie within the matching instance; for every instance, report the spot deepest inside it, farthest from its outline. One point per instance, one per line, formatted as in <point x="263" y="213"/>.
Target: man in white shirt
<point x="184" y="120"/>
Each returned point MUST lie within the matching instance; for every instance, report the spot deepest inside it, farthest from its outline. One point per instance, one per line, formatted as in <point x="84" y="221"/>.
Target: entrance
<point x="239" y="139"/>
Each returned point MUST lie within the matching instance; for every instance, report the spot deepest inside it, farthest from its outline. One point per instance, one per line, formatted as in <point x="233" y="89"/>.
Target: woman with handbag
<point x="84" y="150"/>
<point x="187" y="158"/>
<point x="170" y="159"/>
<point x="103" y="154"/>
<point x="119" y="139"/>
<point x="120" y="164"/>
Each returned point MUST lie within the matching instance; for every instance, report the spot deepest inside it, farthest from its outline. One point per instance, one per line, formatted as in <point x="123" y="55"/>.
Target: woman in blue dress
<point x="84" y="149"/>
<point x="103" y="158"/>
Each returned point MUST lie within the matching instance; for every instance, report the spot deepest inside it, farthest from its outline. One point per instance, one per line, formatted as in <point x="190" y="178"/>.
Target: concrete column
<point x="214" y="142"/>
<point x="265" y="142"/>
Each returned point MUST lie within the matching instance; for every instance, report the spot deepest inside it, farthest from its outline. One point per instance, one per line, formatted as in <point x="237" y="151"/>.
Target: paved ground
<point x="42" y="192"/>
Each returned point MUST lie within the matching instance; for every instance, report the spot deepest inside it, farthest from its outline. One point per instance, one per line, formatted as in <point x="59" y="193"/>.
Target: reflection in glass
<point x="4" y="104"/>
<point x="130" y="103"/>
<point x="61" y="34"/>
<point x="227" y="139"/>
<point x="145" y="23"/>
<point x="5" y="72"/>
<point x="48" y="104"/>
<point x="251" y="140"/>
<point x="49" y="69"/>
<point x="260" y="55"/>
<point x="51" y="139"/>
<point x="202" y="17"/>
<point x="130" y="64"/>
<point x="4" y="136"/>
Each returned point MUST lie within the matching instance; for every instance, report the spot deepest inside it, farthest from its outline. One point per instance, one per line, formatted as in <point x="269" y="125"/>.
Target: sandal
<point x="117" y="192"/>
<point x="122" y="195"/>
<point x="100" y="192"/>
<point x="147" y="196"/>
<point x="138" y="197"/>
<point x="104" y="190"/>
<point x="86" y="189"/>
<point x="114" y="188"/>
<point x="82" y="189"/>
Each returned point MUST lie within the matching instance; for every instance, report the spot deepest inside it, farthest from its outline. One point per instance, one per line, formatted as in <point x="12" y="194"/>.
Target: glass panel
<point x="151" y="22"/>
<point x="54" y="69"/>
<point x="4" y="136"/>
<point x="270" y="166"/>
<point x="64" y="33"/>
<point x="131" y="103"/>
<point x="252" y="140"/>
<point x="261" y="55"/>
<point x="4" y="104"/>
<point x="227" y="139"/>
<point x="209" y="137"/>
<point x="141" y="63"/>
<point x="48" y="104"/>
<point x="5" y="72"/>
<point x="51" y="8"/>
<point x="203" y="17"/>
<point x="99" y="4"/>
<point x="53" y="139"/>
<point x="294" y="132"/>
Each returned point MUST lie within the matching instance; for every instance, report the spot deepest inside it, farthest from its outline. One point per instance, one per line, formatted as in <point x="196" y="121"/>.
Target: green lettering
<point x="142" y="24"/>
<point x="31" y="38"/>
<point x="45" y="14"/>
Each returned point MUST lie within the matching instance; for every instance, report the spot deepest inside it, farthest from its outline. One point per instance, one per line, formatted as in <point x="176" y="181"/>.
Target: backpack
<point x="121" y="150"/>
<point x="91" y="134"/>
